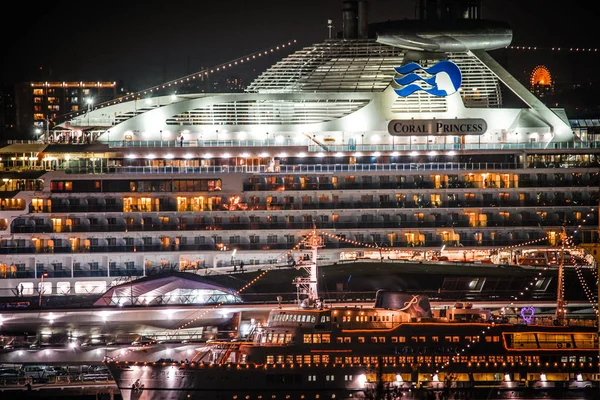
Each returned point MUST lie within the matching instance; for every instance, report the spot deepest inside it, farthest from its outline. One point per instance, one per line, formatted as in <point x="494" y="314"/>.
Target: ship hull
<point x="224" y="382"/>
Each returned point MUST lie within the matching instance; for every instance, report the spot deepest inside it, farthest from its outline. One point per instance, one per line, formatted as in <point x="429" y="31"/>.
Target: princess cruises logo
<point x="444" y="79"/>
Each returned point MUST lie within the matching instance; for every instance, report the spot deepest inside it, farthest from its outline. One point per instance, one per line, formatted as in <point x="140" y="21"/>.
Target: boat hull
<point x="278" y="382"/>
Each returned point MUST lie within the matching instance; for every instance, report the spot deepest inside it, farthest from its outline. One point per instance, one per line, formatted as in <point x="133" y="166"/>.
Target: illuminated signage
<point x="444" y="79"/>
<point x="440" y="127"/>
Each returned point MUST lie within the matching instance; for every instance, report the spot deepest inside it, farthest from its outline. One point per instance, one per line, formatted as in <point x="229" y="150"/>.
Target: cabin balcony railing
<point x="126" y="272"/>
<point x="264" y="245"/>
<point x="16" y="274"/>
<point x="77" y="273"/>
<point x="365" y="221"/>
<point x="453" y="146"/>
<point x="58" y="274"/>
<point x="348" y="147"/>
<point x="300" y="169"/>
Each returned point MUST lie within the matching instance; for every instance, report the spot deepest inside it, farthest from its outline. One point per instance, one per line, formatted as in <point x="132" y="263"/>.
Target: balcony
<point x="126" y="272"/>
<point x="82" y="273"/>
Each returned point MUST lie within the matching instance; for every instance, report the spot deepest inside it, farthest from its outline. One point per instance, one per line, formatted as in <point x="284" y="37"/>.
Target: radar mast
<point x="306" y="286"/>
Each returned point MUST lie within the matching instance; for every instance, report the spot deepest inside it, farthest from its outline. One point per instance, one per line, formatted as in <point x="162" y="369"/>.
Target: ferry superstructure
<point x="346" y="135"/>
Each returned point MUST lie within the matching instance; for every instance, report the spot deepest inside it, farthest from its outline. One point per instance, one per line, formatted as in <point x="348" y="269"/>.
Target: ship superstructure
<point x="328" y="137"/>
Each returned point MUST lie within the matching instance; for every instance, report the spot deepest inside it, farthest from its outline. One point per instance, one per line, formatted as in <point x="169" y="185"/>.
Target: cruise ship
<point x="391" y="139"/>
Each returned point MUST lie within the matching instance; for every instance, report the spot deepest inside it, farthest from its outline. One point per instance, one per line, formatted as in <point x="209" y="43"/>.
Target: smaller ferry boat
<point x="400" y="347"/>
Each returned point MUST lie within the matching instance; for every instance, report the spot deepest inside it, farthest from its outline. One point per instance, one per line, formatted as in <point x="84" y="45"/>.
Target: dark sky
<point x="144" y="43"/>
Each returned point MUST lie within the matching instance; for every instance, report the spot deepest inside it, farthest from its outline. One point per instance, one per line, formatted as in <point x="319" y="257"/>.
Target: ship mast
<point x="307" y="285"/>
<point x="560" y="300"/>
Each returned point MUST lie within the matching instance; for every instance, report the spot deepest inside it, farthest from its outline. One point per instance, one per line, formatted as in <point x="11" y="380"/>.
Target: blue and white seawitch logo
<point x="445" y="79"/>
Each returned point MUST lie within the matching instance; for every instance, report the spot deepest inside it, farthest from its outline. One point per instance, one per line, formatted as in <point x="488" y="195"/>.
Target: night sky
<point x="145" y="43"/>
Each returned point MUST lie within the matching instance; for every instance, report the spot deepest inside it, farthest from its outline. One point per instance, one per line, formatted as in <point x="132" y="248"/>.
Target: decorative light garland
<point x="586" y="289"/>
<point x="561" y="49"/>
<point x="179" y="81"/>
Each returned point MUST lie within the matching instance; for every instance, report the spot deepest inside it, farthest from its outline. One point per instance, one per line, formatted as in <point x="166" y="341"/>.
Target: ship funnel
<point x="363" y="19"/>
<point x="414" y="304"/>
<point x="350" y="19"/>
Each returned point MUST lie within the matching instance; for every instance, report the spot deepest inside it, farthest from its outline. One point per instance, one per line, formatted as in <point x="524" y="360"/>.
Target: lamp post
<point x="41" y="288"/>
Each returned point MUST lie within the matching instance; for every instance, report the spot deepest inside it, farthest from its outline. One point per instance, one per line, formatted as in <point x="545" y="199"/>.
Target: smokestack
<point x="349" y="19"/>
<point x="363" y="19"/>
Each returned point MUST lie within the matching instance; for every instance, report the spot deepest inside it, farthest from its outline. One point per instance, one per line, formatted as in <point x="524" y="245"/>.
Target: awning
<point x="21" y="148"/>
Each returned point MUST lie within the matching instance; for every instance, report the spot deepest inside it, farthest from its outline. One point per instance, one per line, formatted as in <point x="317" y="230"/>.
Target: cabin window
<point x="307" y="359"/>
<point x="401" y="339"/>
<point x="270" y="359"/>
<point x="339" y="360"/>
<point x="347" y="339"/>
<point x="316" y="338"/>
<point x="435" y="339"/>
<point x="288" y="338"/>
<point x="361" y="339"/>
<point x="347" y="377"/>
<point x="455" y="339"/>
<point x="381" y="339"/>
<point x="422" y="339"/>
<point x="326" y="338"/>
<point x="414" y="339"/>
<point x="394" y="339"/>
<point x="448" y="338"/>
<point x="317" y="359"/>
<point x="298" y="359"/>
<point x="280" y="359"/>
<point x="373" y="339"/>
<point x="339" y="339"/>
<point x="330" y="377"/>
<point x="312" y="378"/>
<point x="307" y="338"/>
<point x="325" y="358"/>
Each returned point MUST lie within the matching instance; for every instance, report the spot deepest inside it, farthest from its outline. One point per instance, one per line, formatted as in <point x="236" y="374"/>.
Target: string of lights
<point x="197" y="75"/>
<point x="586" y="289"/>
<point x="556" y="49"/>
<point x="588" y="292"/>
<point x="397" y="250"/>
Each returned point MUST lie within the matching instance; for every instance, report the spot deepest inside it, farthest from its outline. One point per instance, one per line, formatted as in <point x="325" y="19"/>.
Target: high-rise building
<point x="38" y="103"/>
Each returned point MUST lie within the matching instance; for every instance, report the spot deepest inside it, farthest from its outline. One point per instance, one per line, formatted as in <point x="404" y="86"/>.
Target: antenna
<point x="329" y="26"/>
